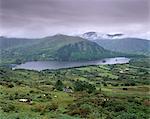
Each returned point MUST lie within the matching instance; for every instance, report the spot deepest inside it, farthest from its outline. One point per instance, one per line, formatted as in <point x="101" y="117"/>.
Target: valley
<point x="119" y="91"/>
<point x="70" y="77"/>
<point x="74" y="59"/>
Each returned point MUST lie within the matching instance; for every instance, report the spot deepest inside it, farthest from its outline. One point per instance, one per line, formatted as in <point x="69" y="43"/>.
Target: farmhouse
<point x="25" y="100"/>
<point x="67" y="90"/>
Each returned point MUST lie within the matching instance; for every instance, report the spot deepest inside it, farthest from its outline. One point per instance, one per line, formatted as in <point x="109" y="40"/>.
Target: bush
<point x="59" y="85"/>
<point x="39" y="108"/>
<point x="105" y="84"/>
<point x="52" y="107"/>
<point x="115" y="106"/>
<point x="8" y="108"/>
<point x="10" y="85"/>
<point x="79" y="111"/>
<point x="82" y="85"/>
<point x="127" y="116"/>
<point x="119" y="108"/>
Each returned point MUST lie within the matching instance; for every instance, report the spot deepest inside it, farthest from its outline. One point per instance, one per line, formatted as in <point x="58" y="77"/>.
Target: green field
<point x="94" y="92"/>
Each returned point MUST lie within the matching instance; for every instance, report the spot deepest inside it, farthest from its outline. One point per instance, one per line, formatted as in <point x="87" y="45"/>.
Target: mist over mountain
<point x="96" y="36"/>
<point x="119" y="42"/>
<point x="118" y="35"/>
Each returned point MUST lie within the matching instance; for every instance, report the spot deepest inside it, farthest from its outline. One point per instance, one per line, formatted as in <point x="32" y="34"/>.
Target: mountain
<point x="7" y="43"/>
<point x="58" y="47"/>
<point x="84" y="50"/>
<point x="127" y="45"/>
<point x="120" y="43"/>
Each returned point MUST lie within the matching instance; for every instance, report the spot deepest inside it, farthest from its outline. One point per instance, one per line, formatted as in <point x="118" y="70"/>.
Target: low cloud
<point x="37" y="18"/>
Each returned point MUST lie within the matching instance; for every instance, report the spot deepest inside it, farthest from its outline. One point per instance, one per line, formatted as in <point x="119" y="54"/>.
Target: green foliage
<point x="84" y="86"/>
<point x="90" y="97"/>
<point x="8" y="108"/>
<point x="126" y="45"/>
<point x="84" y="50"/>
<point x="52" y="107"/>
<point x="140" y="62"/>
<point x="127" y="116"/>
<point x="58" y="47"/>
<point x="59" y="85"/>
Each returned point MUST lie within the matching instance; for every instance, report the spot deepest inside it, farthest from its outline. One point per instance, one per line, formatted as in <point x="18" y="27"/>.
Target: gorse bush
<point x="84" y="86"/>
<point x="8" y="108"/>
<point x="59" y="85"/>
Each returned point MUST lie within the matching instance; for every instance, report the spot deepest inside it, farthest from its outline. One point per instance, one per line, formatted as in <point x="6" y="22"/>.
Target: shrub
<point x="52" y="107"/>
<point x="10" y="85"/>
<point x="147" y="102"/>
<point x="82" y="85"/>
<point x="59" y="85"/>
<point x="79" y="111"/>
<point x="115" y="106"/>
<point x="8" y="108"/>
<point x="127" y="116"/>
<point x="105" y="84"/>
<point x="119" y="108"/>
<point x="124" y="88"/>
<point x="39" y="108"/>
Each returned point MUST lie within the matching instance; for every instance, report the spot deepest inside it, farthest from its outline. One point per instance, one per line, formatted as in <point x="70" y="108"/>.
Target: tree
<point x="82" y="85"/>
<point x="18" y="61"/>
<point x="59" y="85"/>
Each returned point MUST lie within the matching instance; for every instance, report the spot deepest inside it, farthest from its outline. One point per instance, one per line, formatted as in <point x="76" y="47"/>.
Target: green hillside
<point x="83" y="50"/>
<point x="58" y="47"/>
<point x="118" y="91"/>
<point x="126" y="45"/>
<point x="8" y="43"/>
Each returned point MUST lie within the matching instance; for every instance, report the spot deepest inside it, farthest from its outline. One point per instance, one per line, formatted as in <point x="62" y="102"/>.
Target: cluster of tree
<point x="59" y="85"/>
<point x="84" y="86"/>
<point x="78" y="86"/>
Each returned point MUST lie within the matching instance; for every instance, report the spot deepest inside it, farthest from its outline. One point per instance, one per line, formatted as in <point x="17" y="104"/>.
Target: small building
<point x="67" y="90"/>
<point x="25" y="100"/>
<point x="121" y="72"/>
<point x="126" y="69"/>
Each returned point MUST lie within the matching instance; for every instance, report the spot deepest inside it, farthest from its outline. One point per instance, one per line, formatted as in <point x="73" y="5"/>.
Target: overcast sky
<point x="38" y="18"/>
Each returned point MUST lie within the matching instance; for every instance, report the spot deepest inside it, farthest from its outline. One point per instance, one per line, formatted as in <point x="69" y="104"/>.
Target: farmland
<point x="118" y="91"/>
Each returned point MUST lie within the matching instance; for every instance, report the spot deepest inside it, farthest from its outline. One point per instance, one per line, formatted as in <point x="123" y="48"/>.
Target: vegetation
<point x="141" y="62"/>
<point x="59" y="85"/>
<point x="126" y="45"/>
<point x="93" y="92"/>
<point x="84" y="50"/>
<point x="58" y="47"/>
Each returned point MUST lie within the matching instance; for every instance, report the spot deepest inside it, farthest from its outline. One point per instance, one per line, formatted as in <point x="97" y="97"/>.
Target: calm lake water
<point x="42" y="65"/>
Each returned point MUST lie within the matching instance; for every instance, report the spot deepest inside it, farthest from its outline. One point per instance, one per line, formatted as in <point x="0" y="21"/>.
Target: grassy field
<point x="93" y="92"/>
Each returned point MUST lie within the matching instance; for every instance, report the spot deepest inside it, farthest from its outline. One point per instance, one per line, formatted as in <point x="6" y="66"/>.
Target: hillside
<point x="58" y="47"/>
<point x="119" y="42"/>
<point x="126" y="45"/>
<point x="84" y="50"/>
<point x="118" y="91"/>
<point x="8" y="43"/>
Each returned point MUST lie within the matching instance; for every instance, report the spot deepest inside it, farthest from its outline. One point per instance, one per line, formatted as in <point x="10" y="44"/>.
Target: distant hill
<point x="7" y="43"/>
<point x="126" y="45"/>
<point x="120" y="42"/>
<point x="58" y="47"/>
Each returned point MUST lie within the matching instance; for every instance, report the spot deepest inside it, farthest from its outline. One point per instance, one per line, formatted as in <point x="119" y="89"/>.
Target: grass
<point x="49" y="103"/>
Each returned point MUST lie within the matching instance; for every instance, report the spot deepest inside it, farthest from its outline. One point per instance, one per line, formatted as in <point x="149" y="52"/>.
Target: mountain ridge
<point x="123" y="44"/>
<point x="55" y="48"/>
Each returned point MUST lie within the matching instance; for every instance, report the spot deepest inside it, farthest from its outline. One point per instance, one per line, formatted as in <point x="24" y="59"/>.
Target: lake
<point x="42" y="65"/>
